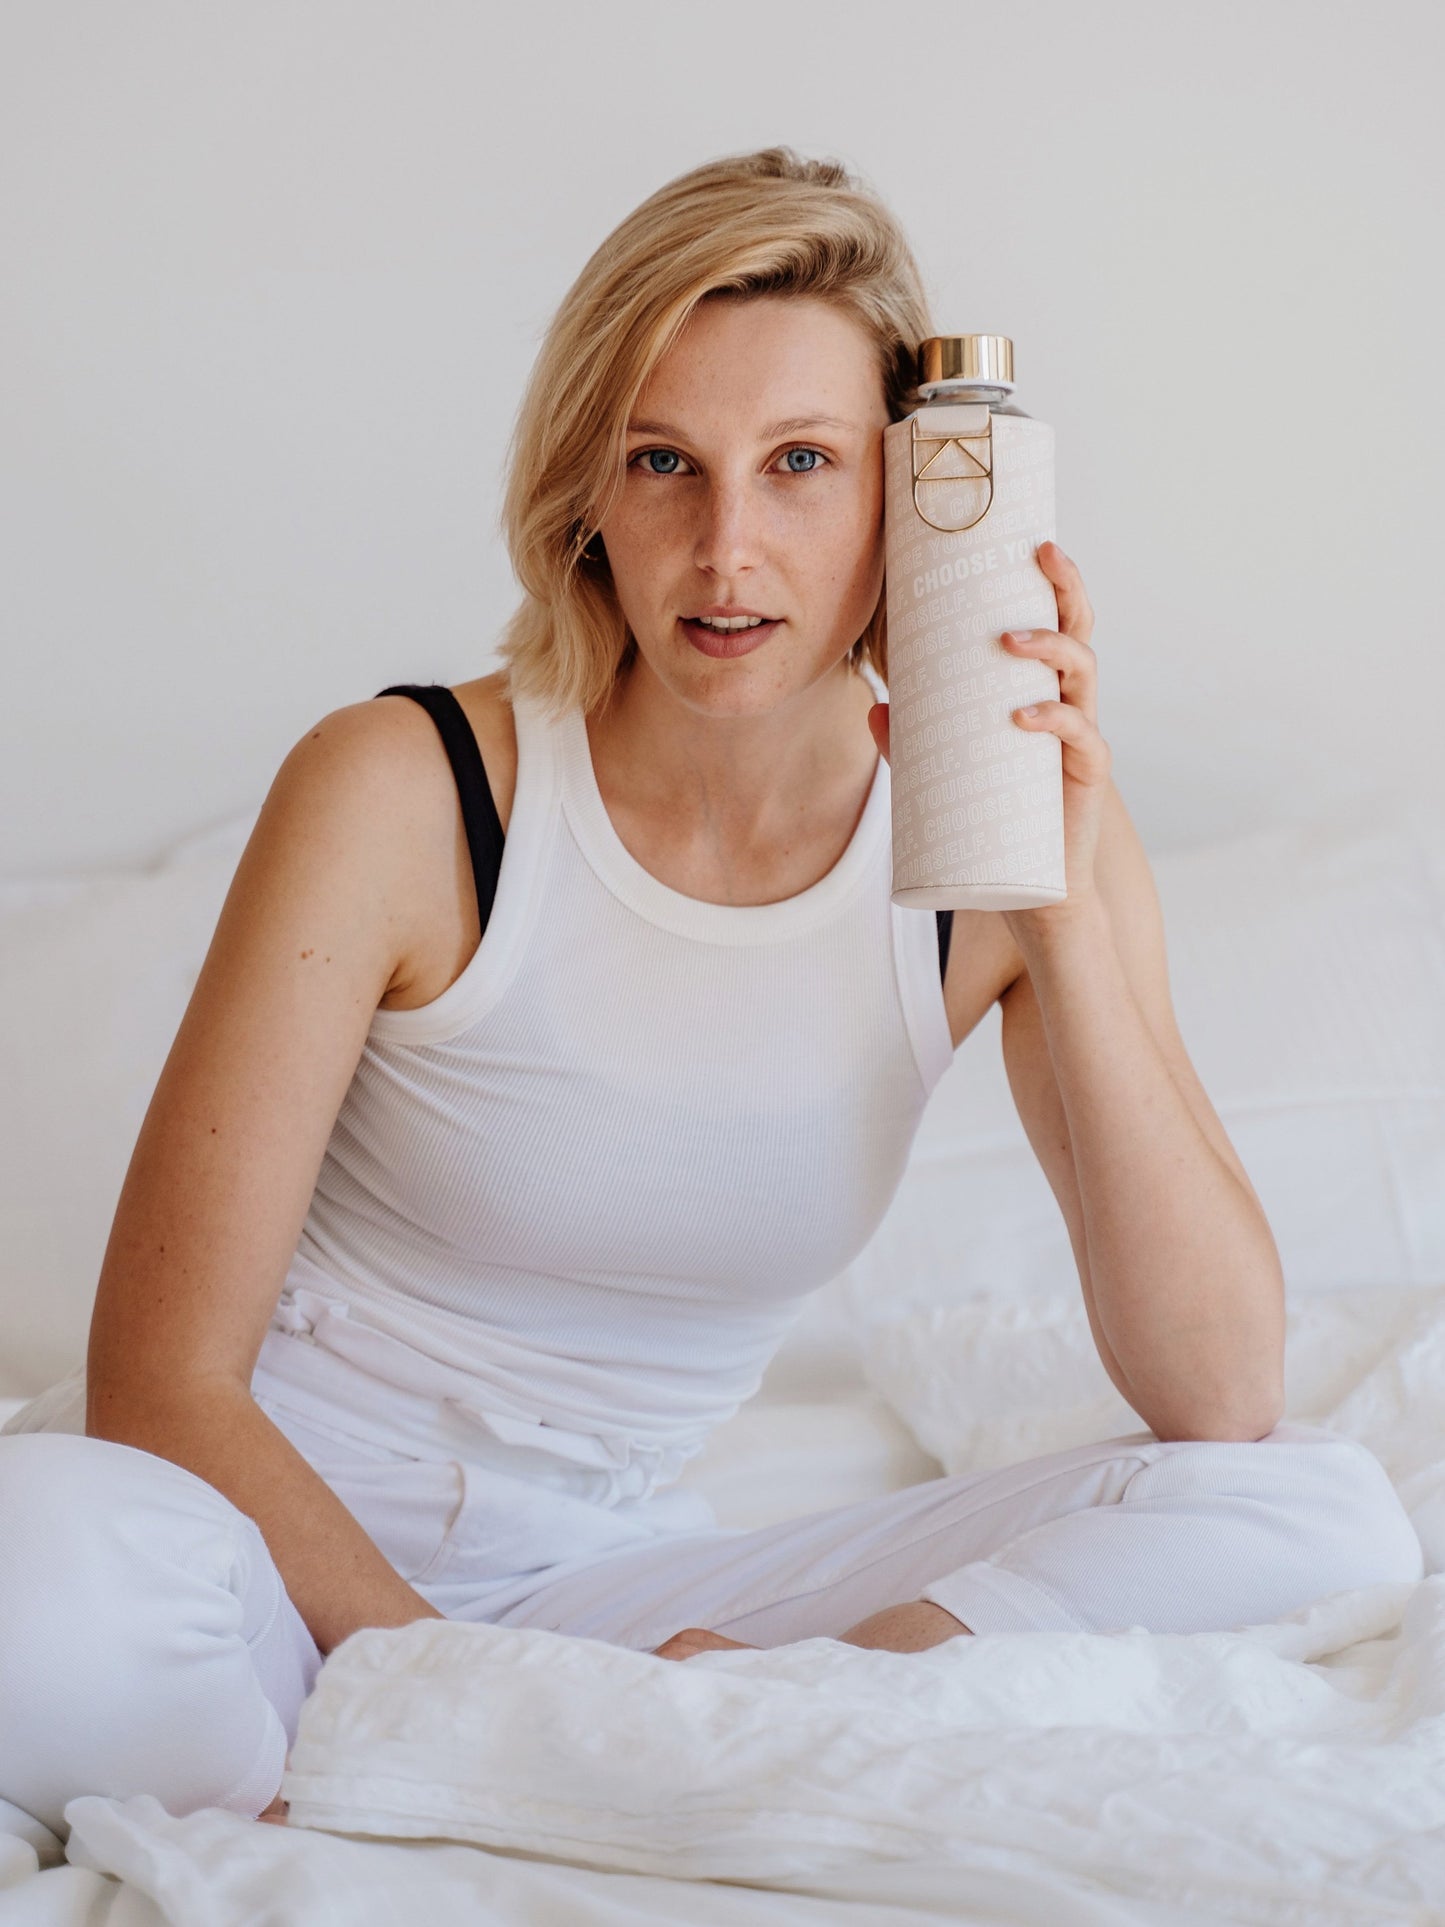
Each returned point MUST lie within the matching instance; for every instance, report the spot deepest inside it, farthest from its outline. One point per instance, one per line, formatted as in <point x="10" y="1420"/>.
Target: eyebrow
<point x="795" y="425"/>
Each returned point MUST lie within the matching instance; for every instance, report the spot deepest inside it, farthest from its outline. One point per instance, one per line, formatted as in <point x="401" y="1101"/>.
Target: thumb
<point x="878" y="727"/>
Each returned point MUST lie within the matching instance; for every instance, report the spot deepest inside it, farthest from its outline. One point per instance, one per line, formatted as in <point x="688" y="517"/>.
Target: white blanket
<point x="1233" y="1772"/>
<point x="214" y="1869"/>
<point x="1290" y="1774"/>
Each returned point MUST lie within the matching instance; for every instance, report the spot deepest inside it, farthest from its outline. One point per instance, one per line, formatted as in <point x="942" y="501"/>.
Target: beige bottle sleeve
<point x="978" y="799"/>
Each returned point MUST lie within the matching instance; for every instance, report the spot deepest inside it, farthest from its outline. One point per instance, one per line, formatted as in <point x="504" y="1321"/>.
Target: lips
<point x="728" y="642"/>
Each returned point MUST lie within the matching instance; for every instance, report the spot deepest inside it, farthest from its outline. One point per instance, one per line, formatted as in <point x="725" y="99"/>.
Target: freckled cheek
<point x="644" y="546"/>
<point x="847" y="547"/>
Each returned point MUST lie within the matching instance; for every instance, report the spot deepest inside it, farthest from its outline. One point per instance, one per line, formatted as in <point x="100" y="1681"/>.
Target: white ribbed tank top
<point x="583" y="1193"/>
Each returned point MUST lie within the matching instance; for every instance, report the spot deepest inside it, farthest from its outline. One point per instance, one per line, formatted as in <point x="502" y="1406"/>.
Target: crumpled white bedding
<point x="1290" y="1774"/>
<point x="1226" y="1770"/>
<point x="134" y="1865"/>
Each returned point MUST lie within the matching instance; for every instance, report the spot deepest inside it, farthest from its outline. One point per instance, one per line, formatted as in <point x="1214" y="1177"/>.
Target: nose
<point x="729" y="536"/>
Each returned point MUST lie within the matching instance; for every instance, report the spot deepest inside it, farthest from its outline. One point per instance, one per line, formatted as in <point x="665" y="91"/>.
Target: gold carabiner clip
<point x="979" y="471"/>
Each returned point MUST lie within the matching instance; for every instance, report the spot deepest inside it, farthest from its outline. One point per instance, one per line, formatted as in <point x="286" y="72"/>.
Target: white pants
<point x="147" y="1643"/>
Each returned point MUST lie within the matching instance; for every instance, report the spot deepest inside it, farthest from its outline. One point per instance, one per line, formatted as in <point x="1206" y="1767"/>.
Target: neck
<point x="754" y="780"/>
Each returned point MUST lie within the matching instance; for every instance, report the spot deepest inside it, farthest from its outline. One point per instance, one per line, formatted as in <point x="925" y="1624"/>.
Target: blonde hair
<point x="754" y="224"/>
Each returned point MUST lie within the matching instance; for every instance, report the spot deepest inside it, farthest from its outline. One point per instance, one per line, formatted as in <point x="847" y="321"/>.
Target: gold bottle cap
<point x="982" y="358"/>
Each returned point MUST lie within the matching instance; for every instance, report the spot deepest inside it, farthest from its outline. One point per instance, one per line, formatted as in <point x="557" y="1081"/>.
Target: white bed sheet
<point x="136" y="1866"/>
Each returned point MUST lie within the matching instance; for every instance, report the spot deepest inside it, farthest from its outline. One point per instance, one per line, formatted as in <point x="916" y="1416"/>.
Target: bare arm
<point x="1180" y="1271"/>
<point x="311" y="936"/>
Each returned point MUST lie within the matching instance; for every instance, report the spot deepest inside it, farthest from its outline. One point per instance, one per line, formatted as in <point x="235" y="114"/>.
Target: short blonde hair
<point x="755" y="224"/>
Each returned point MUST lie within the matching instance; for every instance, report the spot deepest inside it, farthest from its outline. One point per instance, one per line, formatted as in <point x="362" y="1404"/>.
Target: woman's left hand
<point x="1087" y="758"/>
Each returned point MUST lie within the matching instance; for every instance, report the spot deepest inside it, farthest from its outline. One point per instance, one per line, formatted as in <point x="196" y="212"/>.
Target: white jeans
<point x="147" y="1643"/>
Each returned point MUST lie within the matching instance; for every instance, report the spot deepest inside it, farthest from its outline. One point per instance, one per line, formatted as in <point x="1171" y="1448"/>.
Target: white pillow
<point x="1307" y="970"/>
<point x="95" y="975"/>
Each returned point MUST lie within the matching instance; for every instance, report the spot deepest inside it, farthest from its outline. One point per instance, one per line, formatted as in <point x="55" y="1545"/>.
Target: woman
<point x="459" y="1220"/>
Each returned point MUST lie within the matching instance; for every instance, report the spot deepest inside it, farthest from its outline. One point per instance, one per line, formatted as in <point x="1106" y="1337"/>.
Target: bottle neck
<point x="990" y="393"/>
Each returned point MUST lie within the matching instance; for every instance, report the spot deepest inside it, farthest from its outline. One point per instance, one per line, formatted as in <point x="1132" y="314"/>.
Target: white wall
<point x="276" y="270"/>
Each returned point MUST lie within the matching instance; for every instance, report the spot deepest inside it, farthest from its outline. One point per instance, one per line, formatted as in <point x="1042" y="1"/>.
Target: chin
<point x="732" y="694"/>
<point x="763" y="680"/>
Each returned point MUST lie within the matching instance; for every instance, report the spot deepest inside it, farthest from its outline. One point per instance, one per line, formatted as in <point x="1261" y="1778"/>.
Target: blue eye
<point x="667" y="461"/>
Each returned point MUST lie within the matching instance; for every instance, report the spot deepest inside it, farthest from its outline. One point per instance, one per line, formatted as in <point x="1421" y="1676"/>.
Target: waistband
<point x="340" y="1398"/>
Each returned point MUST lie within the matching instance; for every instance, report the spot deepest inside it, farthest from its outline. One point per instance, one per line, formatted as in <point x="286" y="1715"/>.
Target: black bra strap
<point x="479" y="809"/>
<point x="945" y="937"/>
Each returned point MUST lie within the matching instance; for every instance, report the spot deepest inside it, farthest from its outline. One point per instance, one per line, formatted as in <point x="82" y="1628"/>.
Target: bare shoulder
<point x="362" y="749"/>
<point x="429" y="834"/>
<point x="488" y="705"/>
<point x="339" y="823"/>
<point x="374" y="771"/>
<point x="394" y="739"/>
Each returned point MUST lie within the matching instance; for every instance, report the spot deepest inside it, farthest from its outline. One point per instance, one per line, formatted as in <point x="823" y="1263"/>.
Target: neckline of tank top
<point x="548" y="755"/>
<point x="659" y="903"/>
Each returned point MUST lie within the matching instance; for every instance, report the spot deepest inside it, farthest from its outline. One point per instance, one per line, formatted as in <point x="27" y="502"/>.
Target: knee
<point x="84" y="1523"/>
<point x="1369" y="1531"/>
<point x="1338" y="1511"/>
<point x="67" y="1504"/>
<point x="114" y="1569"/>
